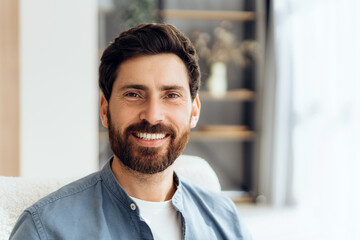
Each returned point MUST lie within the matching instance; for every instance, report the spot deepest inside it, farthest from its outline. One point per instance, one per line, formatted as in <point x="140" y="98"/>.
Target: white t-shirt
<point x="162" y="218"/>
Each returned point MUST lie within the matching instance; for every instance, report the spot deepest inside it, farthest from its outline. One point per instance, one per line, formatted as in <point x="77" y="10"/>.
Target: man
<point x="150" y="78"/>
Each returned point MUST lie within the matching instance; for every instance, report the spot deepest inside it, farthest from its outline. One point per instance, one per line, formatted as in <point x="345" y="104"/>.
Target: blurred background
<point x="280" y="100"/>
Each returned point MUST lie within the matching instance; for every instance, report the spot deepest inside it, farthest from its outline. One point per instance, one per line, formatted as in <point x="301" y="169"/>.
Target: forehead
<point x="153" y="71"/>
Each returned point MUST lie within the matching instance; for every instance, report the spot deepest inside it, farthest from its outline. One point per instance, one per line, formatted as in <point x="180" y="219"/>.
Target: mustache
<point x="145" y="126"/>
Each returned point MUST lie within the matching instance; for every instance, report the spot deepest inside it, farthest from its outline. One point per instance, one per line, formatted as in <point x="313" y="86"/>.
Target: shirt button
<point x="133" y="206"/>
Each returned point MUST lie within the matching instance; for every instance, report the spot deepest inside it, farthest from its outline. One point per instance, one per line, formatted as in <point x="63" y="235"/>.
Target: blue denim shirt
<point x="97" y="207"/>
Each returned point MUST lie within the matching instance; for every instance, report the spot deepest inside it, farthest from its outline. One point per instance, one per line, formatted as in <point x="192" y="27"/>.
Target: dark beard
<point x="146" y="160"/>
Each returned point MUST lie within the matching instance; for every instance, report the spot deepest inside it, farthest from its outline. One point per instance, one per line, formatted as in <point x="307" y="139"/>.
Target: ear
<point x="195" y="111"/>
<point x="104" y="106"/>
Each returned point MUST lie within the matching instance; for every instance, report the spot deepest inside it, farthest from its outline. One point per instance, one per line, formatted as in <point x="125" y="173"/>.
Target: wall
<point x="58" y="88"/>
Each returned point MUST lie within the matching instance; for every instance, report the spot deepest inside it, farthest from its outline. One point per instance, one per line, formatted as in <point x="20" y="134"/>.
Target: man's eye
<point x="132" y="94"/>
<point x="173" y="95"/>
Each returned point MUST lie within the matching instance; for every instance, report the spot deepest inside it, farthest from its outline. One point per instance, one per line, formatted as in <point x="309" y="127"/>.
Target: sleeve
<point x="25" y="228"/>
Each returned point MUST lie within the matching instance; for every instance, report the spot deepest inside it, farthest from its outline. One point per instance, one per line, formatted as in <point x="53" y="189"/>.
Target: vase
<point x="217" y="82"/>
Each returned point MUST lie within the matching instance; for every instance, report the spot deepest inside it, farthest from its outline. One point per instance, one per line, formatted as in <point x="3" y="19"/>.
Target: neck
<point x="157" y="187"/>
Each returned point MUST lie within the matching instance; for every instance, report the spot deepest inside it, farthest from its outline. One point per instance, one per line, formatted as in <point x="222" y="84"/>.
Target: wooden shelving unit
<point x="227" y="134"/>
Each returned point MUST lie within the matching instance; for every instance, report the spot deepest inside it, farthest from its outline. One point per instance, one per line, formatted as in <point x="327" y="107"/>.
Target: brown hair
<point x="148" y="39"/>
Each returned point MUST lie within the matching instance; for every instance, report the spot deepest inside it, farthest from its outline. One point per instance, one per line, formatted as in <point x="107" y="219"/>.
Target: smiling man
<point x="150" y="78"/>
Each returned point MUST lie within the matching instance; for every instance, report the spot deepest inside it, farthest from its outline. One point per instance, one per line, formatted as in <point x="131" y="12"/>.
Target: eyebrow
<point x="144" y="88"/>
<point x="172" y="87"/>
<point x="134" y="86"/>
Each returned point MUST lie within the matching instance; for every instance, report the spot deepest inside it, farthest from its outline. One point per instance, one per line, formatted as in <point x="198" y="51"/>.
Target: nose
<point x="153" y="111"/>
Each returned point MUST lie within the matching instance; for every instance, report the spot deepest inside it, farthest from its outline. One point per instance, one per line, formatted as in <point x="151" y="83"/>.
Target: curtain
<point x="275" y="180"/>
<point x="311" y="148"/>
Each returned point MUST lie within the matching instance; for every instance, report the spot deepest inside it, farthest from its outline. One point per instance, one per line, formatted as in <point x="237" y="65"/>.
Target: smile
<point x="150" y="136"/>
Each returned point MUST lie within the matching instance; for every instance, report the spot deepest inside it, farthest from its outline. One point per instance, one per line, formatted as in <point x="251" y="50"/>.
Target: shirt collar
<point x="177" y="198"/>
<point x="113" y="185"/>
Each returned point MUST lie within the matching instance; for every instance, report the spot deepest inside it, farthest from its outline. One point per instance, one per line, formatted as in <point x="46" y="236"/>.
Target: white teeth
<point x="150" y="136"/>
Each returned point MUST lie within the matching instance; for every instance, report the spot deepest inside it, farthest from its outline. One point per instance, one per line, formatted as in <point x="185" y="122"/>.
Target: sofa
<point x="18" y="193"/>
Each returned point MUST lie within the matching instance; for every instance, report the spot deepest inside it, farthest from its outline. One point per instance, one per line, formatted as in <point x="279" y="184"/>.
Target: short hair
<point x="148" y="39"/>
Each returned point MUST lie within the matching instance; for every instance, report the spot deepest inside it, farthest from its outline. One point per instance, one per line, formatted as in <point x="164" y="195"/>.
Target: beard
<point x="146" y="160"/>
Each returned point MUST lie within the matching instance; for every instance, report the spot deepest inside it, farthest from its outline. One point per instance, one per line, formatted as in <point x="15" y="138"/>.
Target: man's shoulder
<point x="213" y="208"/>
<point x="74" y="190"/>
<point x="196" y="188"/>
<point x="205" y="195"/>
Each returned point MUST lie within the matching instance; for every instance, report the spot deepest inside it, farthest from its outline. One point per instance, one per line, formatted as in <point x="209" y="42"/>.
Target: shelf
<point x="222" y="132"/>
<point x="239" y="197"/>
<point x="238" y="94"/>
<point x="208" y="15"/>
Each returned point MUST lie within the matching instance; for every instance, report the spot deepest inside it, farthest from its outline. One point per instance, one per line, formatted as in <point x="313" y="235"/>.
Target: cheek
<point x="181" y="118"/>
<point x="122" y="112"/>
<point x="122" y="118"/>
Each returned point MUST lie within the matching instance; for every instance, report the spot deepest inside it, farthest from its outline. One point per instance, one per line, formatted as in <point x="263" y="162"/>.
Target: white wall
<point x="58" y="52"/>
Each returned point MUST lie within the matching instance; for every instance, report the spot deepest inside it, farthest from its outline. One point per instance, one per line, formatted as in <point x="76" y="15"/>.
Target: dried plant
<point x="225" y="47"/>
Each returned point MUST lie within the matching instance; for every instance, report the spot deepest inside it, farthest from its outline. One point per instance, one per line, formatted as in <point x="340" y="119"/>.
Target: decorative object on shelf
<point x="138" y="11"/>
<point x="217" y="82"/>
<point x="222" y="50"/>
<point x="130" y="13"/>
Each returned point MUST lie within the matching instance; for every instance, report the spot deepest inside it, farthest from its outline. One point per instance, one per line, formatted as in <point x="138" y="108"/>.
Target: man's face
<point x="150" y="112"/>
